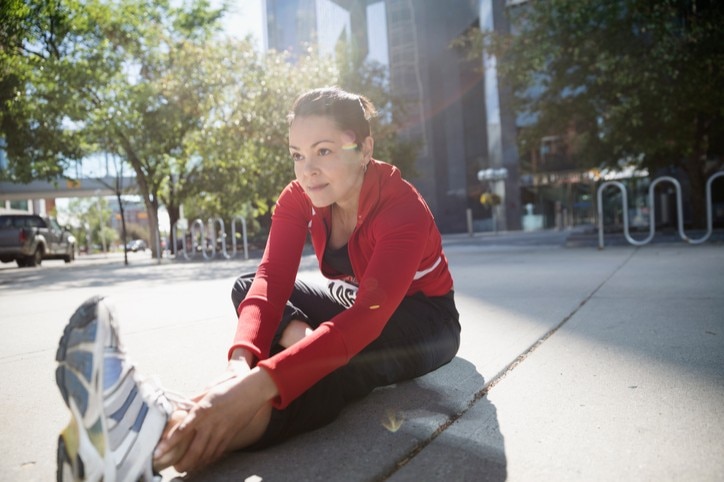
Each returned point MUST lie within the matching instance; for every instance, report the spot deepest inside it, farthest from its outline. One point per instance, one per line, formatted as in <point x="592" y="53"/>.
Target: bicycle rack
<point x="174" y="237"/>
<point x="243" y="236"/>
<point x="197" y="228"/>
<point x="198" y="231"/>
<point x="652" y="208"/>
<point x="212" y="223"/>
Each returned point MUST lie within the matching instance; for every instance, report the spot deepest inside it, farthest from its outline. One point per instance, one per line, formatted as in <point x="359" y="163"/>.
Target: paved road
<point x="576" y="364"/>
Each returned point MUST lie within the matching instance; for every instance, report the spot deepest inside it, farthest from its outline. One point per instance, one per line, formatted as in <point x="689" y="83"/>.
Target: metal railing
<point x="652" y="209"/>
<point x="204" y="238"/>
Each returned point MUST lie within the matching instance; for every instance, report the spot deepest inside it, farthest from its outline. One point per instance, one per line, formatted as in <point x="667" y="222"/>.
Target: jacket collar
<point x="377" y="175"/>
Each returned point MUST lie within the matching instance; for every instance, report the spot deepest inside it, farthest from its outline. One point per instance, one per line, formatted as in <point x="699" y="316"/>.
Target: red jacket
<point x="395" y="250"/>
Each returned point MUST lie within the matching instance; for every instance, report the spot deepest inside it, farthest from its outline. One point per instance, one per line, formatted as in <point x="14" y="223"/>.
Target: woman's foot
<point x="117" y="419"/>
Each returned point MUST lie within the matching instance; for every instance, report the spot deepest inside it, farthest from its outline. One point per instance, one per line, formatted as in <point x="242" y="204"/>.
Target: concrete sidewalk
<point x="575" y="364"/>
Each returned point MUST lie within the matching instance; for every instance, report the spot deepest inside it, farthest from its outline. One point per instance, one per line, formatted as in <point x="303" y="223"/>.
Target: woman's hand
<point x="229" y="415"/>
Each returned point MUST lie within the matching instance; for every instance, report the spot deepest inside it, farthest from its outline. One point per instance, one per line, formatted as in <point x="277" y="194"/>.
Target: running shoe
<point x="117" y="419"/>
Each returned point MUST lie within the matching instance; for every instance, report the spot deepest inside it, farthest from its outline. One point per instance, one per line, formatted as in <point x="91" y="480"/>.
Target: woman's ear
<point x="368" y="147"/>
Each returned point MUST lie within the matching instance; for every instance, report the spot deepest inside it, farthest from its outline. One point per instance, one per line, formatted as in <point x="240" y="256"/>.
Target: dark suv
<point x="28" y="239"/>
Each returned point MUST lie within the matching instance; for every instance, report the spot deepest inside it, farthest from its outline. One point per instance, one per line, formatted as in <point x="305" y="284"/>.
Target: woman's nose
<point x="309" y="166"/>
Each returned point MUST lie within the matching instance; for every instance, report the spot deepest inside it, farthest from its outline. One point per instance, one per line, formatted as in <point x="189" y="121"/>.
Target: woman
<point x="302" y="352"/>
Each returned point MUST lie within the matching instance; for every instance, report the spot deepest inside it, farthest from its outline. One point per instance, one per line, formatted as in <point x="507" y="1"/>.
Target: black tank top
<point x="338" y="259"/>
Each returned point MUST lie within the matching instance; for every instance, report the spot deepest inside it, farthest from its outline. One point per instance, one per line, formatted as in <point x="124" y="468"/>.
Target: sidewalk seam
<point x="498" y="377"/>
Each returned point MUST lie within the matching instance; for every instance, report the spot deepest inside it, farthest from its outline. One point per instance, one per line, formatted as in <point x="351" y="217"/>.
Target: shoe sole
<point x="75" y="375"/>
<point x="67" y="470"/>
<point x="83" y="316"/>
<point x="83" y="343"/>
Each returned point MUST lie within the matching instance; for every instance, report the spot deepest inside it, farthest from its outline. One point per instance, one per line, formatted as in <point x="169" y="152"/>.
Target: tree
<point x="34" y="101"/>
<point x="127" y="77"/>
<point x="242" y="147"/>
<point x="625" y="81"/>
<point x="172" y="61"/>
<point x="195" y="115"/>
<point x="116" y="184"/>
<point x="89" y="221"/>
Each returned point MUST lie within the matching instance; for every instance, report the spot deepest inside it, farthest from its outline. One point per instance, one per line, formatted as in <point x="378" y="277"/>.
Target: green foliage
<point x="89" y="218"/>
<point x="125" y="77"/>
<point x="242" y="147"/>
<point x="625" y="81"/>
<point x="200" y="118"/>
<point x="34" y="101"/>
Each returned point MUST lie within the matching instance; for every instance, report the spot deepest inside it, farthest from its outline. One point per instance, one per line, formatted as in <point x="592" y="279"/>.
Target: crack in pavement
<point x="500" y="376"/>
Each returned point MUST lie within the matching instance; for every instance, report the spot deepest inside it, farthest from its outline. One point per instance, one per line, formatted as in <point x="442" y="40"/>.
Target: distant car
<point x="136" y="245"/>
<point x="28" y="239"/>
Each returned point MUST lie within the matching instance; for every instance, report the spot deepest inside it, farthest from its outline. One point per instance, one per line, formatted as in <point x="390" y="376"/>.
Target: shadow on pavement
<point x="112" y="272"/>
<point x="430" y="428"/>
<point x="81" y="275"/>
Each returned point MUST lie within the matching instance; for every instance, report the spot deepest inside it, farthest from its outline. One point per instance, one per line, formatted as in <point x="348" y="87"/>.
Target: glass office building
<point x="448" y="106"/>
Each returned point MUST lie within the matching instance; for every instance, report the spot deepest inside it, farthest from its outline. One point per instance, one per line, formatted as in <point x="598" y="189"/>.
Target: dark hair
<point x="350" y="112"/>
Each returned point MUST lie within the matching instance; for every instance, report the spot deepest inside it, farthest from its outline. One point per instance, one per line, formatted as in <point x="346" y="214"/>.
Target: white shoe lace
<point x="167" y="399"/>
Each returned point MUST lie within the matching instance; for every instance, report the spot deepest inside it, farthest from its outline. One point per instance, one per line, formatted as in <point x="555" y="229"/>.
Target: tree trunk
<point x="123" y="227"/>
<point x="150" y="199"/>
<point x="152" y="210"/>
<point x="174" y="213"/>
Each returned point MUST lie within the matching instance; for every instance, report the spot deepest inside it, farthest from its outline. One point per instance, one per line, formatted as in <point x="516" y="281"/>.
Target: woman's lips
<point x="316" y="188"/>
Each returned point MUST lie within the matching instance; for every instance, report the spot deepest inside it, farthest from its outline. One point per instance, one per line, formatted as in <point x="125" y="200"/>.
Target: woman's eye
<point x="296" y="157"/>
<point x="324" y="151"/>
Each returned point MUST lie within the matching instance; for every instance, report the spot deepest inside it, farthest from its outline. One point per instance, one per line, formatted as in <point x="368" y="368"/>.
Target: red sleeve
<point x="400" y="235"/>
<point x="261" y="310"/>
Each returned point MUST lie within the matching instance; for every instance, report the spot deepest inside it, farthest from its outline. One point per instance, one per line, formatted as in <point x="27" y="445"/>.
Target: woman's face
<point x="326" y="164"/>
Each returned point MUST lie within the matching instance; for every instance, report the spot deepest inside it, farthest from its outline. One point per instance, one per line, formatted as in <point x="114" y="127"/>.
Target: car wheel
<point x="71" y="254"/>
<point x="35" y="259"/>
<point x="21" y="262"/>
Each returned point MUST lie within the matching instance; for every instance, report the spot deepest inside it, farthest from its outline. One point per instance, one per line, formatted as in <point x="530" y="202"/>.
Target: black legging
<point x="422" y="335"/>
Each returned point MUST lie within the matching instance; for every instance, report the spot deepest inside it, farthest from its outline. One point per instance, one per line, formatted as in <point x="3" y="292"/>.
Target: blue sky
<point x="245" y="17"/>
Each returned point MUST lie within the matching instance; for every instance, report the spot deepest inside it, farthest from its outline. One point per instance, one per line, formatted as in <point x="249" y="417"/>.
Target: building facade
<point x="453" y="104"/>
